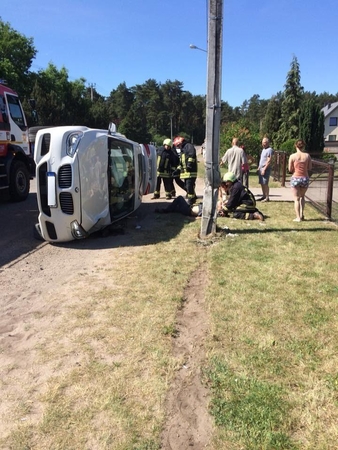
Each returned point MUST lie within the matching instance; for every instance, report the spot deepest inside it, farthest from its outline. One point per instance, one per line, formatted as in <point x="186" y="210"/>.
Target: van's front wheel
<point x="19" y="182"/>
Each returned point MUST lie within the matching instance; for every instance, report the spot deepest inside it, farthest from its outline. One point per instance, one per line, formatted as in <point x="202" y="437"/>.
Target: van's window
<point x="121" y="178"/>
<point x="15" y="111"/>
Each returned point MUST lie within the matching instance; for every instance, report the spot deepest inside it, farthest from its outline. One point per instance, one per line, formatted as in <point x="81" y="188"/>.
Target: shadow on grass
<point x="146" y="227"/>
<point x="143" y="227"/>
<point x="281" y="230"/>
<point x="318" y="219"/>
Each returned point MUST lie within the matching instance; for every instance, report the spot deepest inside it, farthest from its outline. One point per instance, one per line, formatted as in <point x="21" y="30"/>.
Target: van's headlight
<point x="73" y="141"/>
<point x="77" y="231"/>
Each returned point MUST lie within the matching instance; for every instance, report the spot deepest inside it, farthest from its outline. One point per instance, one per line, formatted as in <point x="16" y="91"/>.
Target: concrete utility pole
<point x="213" y="117"/>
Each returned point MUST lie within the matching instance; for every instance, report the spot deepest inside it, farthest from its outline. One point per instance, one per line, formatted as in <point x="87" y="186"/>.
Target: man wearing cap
<point x="240" y="201"/>
<point x="164" y="170"/>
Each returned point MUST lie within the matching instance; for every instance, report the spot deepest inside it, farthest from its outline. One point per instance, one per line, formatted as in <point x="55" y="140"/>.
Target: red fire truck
<point x="16" y="150"/>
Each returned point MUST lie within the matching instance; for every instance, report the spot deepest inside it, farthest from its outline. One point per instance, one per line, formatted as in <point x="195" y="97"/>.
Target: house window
<point x="333" y="122"/>
<point x="332" y="137"/>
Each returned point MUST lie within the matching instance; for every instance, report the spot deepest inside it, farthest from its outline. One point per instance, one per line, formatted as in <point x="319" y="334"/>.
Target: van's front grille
<point x="51" y="230"/>
<point x="65" y="176"/>
<point x="45" y="144"/>
<point x="43" y="189"/>
<point x="66" y="203"/>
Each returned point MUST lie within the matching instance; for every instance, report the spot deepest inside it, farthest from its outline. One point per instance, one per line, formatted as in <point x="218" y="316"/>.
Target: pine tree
<point x="134" y="125"/>
<point x="311" y="126"/>
<point x="271" y="121"/>
<point x="119" y="103"/>
<point x="291" y="103"/>
<point x="255" y="112"/>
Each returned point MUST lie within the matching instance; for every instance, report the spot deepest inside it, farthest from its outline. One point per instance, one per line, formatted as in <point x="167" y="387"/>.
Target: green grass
<point x="273" y="351"/>
<point x="252" y="411"/>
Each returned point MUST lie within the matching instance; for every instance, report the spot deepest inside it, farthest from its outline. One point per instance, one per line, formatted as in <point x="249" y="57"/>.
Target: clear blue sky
<point x="108" y="42"/>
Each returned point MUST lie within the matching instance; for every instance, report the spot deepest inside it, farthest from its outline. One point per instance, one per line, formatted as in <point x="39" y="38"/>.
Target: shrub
<point x="288" y="146"/>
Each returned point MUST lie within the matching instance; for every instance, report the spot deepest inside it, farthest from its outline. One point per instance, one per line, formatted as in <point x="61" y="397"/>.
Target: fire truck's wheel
<point x="19" y="182"/>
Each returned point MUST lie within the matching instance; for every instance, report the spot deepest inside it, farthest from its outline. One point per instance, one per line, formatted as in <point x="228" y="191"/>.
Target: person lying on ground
<point x="180" y="205"/>
<point x="240" y="201"/>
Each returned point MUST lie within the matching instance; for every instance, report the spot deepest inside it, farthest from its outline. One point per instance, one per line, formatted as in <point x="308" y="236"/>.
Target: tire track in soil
<point x="188" y="424"/>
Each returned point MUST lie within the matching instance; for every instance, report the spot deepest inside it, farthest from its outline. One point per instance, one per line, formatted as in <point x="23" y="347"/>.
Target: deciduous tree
<point x="16" y="55"/>
<point x="59" y="101"/>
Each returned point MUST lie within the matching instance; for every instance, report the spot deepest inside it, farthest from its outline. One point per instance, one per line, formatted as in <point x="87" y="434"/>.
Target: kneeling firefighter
<point x="240" y="201"/>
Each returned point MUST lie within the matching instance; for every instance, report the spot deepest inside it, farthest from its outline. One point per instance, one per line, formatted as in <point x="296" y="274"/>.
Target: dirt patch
<point x="189" y="424"/>
<point x="42" y="283"/>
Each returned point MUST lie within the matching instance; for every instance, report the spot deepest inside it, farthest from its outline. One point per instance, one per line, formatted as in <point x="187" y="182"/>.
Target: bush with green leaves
<point x="249" y="138"/>
<point x="288" y="146"/>
<point x="329" y="157"/>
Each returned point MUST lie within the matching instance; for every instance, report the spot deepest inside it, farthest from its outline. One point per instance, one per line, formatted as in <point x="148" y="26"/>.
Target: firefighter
<point x="188" y="159"/>
<point x="176" y="170"/>
<point x="240" y="201"/>
<point x="164" y="170"/>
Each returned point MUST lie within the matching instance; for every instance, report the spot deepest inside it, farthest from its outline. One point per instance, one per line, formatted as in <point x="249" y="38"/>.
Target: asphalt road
<point x="17" y="223"/>
<point x="17" y="241"/>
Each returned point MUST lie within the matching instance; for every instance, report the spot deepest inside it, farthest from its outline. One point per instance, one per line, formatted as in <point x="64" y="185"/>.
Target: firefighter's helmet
<point x="229" y="176"/>
<point x="178" y="140"/>
<point x="167" y="142"/>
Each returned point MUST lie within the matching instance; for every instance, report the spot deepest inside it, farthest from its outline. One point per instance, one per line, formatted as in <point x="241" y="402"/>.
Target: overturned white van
<point x="87" y="179"/>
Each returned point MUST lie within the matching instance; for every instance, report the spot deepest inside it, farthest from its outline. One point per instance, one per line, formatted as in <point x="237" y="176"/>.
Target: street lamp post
<point x="194" y="47"/>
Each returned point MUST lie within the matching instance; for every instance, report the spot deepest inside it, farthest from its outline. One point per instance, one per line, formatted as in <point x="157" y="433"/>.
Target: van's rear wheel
<point x="19" y="182"/>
